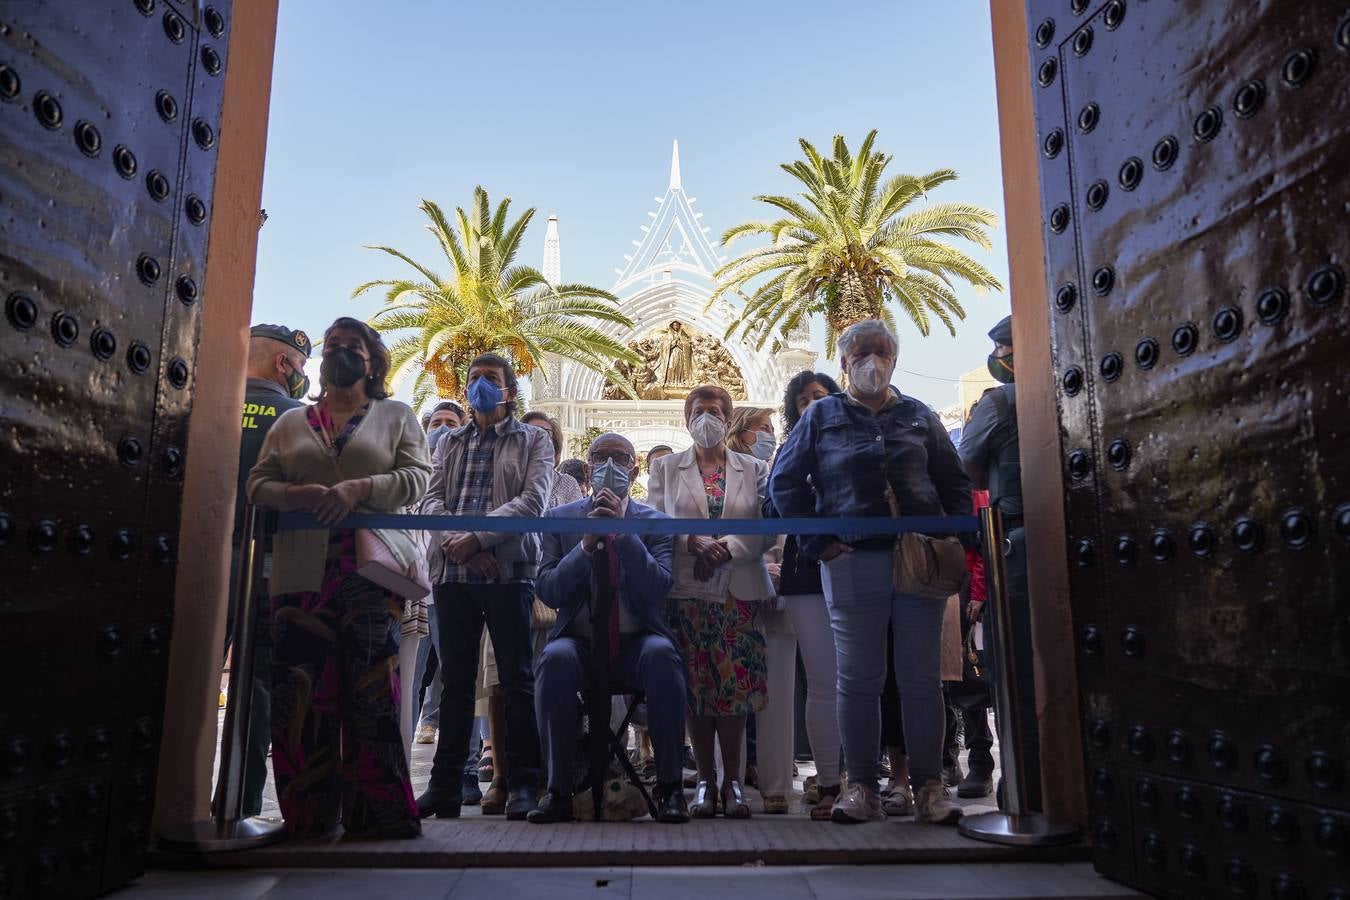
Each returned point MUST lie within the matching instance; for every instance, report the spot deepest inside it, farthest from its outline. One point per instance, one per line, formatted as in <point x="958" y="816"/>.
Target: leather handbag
<point x="542" y="615"/>
<point x="926" y="566"/>
<point x="391" y="559"/>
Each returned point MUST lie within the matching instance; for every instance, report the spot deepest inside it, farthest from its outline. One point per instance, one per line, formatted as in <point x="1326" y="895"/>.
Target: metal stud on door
<point x="1195" y="160"/>
<point x="104" y="113"/>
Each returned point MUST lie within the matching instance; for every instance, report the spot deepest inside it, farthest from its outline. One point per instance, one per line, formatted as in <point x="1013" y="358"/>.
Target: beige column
<point x="184" y="789"/>
<point x="1062" y="777"/>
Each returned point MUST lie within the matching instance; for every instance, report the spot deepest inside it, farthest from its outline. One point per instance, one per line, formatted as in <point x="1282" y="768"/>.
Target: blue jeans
<point x="431" y="705"/>
<point x="862" y="604"/>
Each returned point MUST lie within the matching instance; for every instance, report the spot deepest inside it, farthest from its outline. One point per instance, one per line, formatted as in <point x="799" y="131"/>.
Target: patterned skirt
<point x="724" y="655"/>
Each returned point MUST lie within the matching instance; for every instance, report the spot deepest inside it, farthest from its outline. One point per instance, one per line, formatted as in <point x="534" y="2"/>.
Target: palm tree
<point x="847" y="249"/>
<point x="489" y="304"/>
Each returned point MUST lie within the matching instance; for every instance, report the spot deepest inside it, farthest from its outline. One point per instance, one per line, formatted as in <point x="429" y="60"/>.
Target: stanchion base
<point x="1025" y="830"/>
<point x="219" y="837"/>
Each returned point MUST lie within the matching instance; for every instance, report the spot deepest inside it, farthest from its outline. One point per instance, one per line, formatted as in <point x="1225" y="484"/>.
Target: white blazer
<point x="676" y="488"/>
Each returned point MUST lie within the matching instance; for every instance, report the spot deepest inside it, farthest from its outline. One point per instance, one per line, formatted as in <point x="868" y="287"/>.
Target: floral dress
<point x="724" y="648"/>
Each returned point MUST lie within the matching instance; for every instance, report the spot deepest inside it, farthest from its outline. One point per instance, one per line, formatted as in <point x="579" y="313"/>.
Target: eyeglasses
<point x="619" y="459"/>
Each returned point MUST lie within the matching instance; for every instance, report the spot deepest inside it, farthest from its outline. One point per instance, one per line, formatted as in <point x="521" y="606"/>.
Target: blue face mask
<point x="485" y="396"/>
<point x="610" y="475"/>
<point x="765" y="445"/>
<point x="434" y="436"/>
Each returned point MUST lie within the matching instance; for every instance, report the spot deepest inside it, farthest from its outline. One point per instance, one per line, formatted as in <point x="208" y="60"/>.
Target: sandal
<point x="825" y="805"/>
<point x="733" y="802"/>
<point x="486" y="771"/>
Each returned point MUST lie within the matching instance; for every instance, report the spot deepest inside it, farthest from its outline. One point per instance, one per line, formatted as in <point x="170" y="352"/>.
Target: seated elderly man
<point x="642" y="650"/>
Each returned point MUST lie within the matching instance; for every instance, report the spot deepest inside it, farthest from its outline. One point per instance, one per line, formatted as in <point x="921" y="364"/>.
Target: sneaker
<point x="856" y="804"/>
<point x="470" y="790"/>
<point x="952" y="775"/>
<point x="752" y="775"/>
<point x="934" y="804"/>
<point x="897" y="800"/>
<point x="426" y="734"/>
<point x="810" y="791"/>
<point x="976" y="784"/>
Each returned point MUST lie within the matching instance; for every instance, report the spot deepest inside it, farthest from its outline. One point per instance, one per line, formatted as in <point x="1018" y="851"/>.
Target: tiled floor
<point x="421" y="772"/>
<point x="983" y="880"/>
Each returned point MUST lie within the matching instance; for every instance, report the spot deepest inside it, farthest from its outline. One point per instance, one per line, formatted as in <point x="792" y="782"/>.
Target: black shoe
<point x="441" y="804"/>
<point x="671" y="807"/>
<point x="554" y="808"/>
<point x="473" y="794"/>
<point x="521" y="803"/>
<point x="975" y="784"/>
<point x="687" y="760"/>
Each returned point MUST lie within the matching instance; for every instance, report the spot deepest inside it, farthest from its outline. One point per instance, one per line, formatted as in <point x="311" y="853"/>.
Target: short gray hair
<point x="867" y="328"/>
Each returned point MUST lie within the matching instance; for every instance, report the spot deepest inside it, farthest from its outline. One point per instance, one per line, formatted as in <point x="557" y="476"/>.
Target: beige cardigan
<point x="388" y="445"/>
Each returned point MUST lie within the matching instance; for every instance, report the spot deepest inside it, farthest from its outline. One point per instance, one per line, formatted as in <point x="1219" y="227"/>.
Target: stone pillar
<point x="200" y="593"/>
<point x="1062" y="776"/>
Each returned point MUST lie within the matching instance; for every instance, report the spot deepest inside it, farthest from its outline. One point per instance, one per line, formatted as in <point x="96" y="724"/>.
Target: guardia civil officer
<point x="991" y="458"/>
<point x="276" y="382"/>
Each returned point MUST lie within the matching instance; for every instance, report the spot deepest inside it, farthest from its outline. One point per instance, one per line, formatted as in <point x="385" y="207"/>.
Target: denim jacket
<point x="848" y="453"/>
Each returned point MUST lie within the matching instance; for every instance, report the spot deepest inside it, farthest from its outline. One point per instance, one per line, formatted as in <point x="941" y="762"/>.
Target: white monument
<point x="663" y="289"/>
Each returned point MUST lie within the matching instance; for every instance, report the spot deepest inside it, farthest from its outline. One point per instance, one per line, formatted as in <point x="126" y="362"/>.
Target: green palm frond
<point x="848" y="247"/>
<point x="488" y="304"/>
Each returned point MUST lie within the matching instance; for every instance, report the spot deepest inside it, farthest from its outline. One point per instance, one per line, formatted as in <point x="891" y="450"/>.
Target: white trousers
<point x="773" y="723"/>
<point x="407" y="667"/>
<point x="811" y="623"/>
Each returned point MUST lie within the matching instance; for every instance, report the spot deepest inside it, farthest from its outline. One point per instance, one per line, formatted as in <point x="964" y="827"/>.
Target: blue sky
<point x="571" y="108"/>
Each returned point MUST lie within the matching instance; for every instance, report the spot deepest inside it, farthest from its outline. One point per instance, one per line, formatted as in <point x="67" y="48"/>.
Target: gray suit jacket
<point x="565" y="573"/>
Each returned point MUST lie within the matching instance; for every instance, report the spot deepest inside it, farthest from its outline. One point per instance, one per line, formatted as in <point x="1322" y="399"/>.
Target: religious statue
<point x="673" y="360"/>
<point x="677" y="357"/>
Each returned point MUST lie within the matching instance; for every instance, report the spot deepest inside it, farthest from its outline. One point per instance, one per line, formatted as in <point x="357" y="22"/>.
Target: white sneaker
<point x="857" y="803"/>
<point x="934" y="805"/>
<point x="897" y="799"/>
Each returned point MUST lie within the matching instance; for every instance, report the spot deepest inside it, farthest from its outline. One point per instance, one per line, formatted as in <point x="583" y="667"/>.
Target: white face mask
<point x="765" y="446"/>
<point x="867" y="375"/>
<point x="707" y="430"/>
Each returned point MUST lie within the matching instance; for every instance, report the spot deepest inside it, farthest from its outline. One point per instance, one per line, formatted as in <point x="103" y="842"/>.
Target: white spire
<point x="552" y="253"/>
<point x="675" y="167"/>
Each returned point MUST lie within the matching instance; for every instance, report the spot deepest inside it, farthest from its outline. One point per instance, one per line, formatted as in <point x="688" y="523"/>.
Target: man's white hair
<point x="867" y="328"/>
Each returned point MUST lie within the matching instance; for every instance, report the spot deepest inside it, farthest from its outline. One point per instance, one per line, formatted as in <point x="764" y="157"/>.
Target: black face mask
<point x="342" y="367"/>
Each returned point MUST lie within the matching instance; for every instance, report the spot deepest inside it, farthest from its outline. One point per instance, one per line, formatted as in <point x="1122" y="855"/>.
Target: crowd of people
<point x="525" y="640"/>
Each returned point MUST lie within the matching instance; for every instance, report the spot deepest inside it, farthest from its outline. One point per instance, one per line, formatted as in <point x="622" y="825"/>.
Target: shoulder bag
<point x="391" y="558"/>
<point x="925" y="566"/>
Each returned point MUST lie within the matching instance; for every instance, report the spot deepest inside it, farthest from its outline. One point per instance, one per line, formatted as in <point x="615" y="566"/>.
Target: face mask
<point x="342" y="367"/>
<point x="297" y="384"/>
<point x="866" y="375"/>
<point x="435" y="435"/>
<point x="485" y="396"/>
<point x="1001" y="367"/>
<point x="765" y="445"/>
<point x="707" y="430"/>
<point x="609" y="474"/>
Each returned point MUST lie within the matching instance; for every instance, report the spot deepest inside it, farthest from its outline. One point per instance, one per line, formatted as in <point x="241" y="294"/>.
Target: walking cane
<point x="228" y="828"/>
<point x="1013" y="824"/>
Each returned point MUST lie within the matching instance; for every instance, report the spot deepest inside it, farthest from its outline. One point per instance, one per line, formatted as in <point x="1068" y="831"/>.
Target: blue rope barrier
<point x="870" y="527"/>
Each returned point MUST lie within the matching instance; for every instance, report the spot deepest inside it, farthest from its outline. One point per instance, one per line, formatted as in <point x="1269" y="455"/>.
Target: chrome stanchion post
<point x="228" y="828"/>
<point x="1011" y="825"/>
